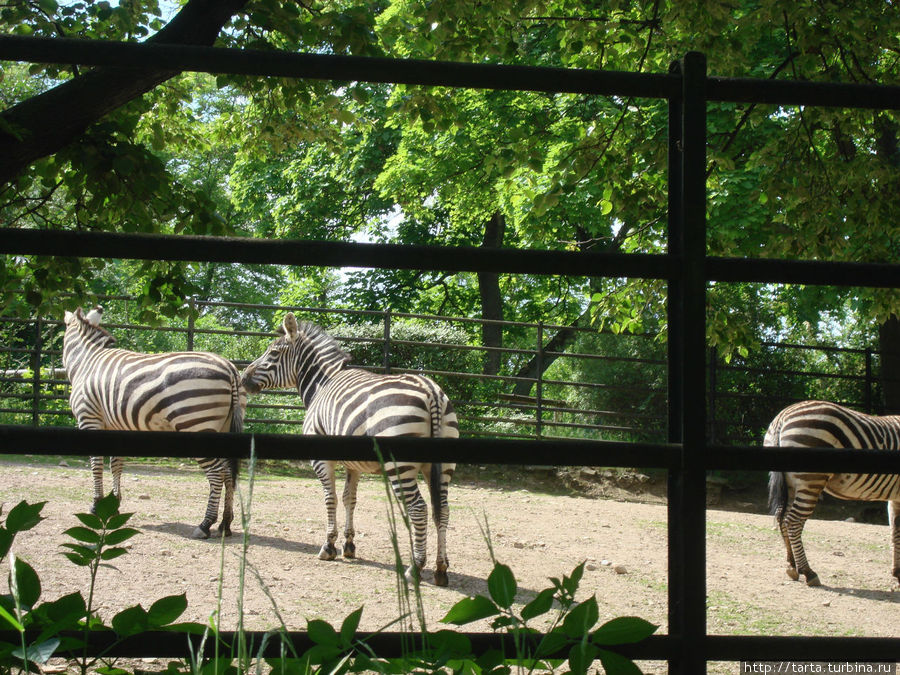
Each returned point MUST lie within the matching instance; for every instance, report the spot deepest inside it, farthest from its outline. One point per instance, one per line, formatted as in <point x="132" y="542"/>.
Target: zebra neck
<point x="74" y="356"/>
<point x="311" y="379"/>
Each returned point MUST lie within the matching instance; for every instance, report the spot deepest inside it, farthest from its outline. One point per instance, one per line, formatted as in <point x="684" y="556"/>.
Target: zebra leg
<point x="894" y="519"/>
<point x="115" y="468"/>
<point x="216" y="476"/>
<point x="806" y="496"/>
<point x="97" y="474"/>
<point x="228" y="504"/>
<point x="349" y="500"/>
<point x="441" y="514"/>
<point x="325" y="472"/>
<point x="404" y="481"/>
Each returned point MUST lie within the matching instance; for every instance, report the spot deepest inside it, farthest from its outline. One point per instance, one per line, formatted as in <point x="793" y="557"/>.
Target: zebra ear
<point x="93" y="317"/>
<point x="68" y="317"/>
<point x="290" y="326"/>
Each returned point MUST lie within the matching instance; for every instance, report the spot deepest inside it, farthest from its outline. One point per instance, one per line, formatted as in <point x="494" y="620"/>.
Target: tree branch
<point x="44" y="124"/>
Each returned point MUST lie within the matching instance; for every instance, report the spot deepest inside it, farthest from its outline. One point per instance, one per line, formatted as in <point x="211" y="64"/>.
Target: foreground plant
<point x="573" y="629"/>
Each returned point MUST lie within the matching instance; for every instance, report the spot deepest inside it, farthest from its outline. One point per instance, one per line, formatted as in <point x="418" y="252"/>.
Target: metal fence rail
<point x="41" y="396"/>
<point x="687" y="456"/>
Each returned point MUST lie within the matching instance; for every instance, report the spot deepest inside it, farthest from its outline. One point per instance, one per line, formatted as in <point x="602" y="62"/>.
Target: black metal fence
<point x="687" y="455"/>
<point x="617" y="397"/>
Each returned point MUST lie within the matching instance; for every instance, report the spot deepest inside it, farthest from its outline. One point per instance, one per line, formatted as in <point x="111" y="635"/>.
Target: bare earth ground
<point x="537" y="534"/>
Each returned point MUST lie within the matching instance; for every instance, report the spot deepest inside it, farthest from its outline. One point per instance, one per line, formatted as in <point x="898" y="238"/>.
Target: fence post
<point x="36" y="373"/>
<point x="192" y="308"/>
<point x="867" y="393"/>
<point x="713" y="360"/>
<point x="539" y="386"/>
<point x="386" y="360"/>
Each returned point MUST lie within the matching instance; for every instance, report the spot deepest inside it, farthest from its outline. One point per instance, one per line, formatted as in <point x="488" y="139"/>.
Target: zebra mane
<point x="324" y="340"/>
<point x="108" y="340"/>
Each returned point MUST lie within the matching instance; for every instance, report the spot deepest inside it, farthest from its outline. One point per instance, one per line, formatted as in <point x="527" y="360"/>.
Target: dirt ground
<point x="538" y="534"/>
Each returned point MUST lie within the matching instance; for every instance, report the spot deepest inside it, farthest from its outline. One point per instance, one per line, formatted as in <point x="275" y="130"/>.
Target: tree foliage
<point x="342" y="161"/>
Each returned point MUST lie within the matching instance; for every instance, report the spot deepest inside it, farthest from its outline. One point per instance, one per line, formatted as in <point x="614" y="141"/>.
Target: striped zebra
<point x="346" y="401"/>
<point x="793" y="495"/>
<point x="179" y="391"/>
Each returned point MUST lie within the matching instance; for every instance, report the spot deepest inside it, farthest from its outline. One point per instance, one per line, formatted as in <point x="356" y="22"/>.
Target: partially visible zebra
<point x="793" y="495"/>
<point x="178" y="391"/>
<point x="345" y="401"/>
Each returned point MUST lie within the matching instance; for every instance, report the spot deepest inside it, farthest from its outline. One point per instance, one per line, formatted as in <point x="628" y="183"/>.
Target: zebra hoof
<point x="792" y="573"/>
<point x="812" y="579"/>
<point x="224" y="531"/>
<point x="413" y="574"/>
<point x="441" y="578"/>
<point x="349" y="549"/>
<point x="200" y="533"/>
<point x="328" y="552"/>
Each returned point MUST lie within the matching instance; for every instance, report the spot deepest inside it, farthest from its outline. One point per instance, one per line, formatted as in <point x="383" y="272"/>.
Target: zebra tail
<point x="778" y="494"/>
<point x="434" y="486"/>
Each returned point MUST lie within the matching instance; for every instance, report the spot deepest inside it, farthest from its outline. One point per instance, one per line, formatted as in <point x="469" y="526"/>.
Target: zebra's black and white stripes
<point x="177" y="391"/>
<point x="794" y="495"/>
<point x="345" y="401"/>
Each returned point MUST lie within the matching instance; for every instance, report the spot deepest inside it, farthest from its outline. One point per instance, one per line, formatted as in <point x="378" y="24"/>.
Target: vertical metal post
<point x="192" y="309"/>
<point x="386" y="354"/>
<point x="36" y="372"/>
<point x="687" y="354"/>
<point x="539" y="386"/>
<point x="867" y="392"/>
<point x="711" y="394"/>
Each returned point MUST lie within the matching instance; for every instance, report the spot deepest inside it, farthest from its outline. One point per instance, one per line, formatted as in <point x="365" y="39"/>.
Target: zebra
<point x="177" y="391"/>
<point x="793" y="495"/>
<point x="347" y="401"/>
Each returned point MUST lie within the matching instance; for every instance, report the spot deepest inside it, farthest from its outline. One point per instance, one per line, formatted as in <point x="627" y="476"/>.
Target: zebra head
<point x="303" y="357"/>
<point x="83" y="331"/>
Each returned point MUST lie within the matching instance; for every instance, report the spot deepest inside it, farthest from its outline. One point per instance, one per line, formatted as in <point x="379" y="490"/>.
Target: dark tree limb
<point x="44" y="124"/>
<point x="491" y="299"/>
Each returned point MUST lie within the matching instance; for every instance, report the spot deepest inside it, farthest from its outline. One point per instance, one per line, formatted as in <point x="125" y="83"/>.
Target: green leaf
<point x="120" y="535"/>
<point x="6" y="540"/>
<point x="112" y="553"/>
<point x="131" y="621"/>
<point x="541" y="604"/>
<point x="166" y="610"/>
<point x="24" y="516"/>
<point x="581" y="618"/>
<point x="605" y="207"/>
<point x="551" y="643"/>
<point x="38" y="653"/>
<point x="9" y="618"/>
<point x="90" y="520"/>
<point x="322" y="632"/>
<point x="502" y="585"/>
<point x="107" y="507"/>
<point x="118" y="520"/>
<point x="349" y="626"/>
<point x="623" y="630"/>
<point x="581" y="656"/>
<point x="470" y="609"/>
<point x="83" y="534"/>
<point x="24" y="582"/>
<point x="616" y="664"/>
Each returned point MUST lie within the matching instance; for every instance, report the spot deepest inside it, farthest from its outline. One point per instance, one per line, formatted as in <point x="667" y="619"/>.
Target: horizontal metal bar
<point x="331" y="67"/>
<point x="437" y="73"/>
<point x="163" y="644"/>
<point x="456" y="259"/>
<point x="331" y="254"/>
<point x="832" y="460"/>
<point x="812" y="272"/>
<point x="801" y="648"/>
<point x="798" y="92"/>
<point x="70" y="441"/>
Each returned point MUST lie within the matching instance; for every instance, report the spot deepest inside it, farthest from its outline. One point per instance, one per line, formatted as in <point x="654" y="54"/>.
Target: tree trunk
<point x="46" y="123"/>
<point x="889" y="345"/>
<point x="491" y="300"/>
